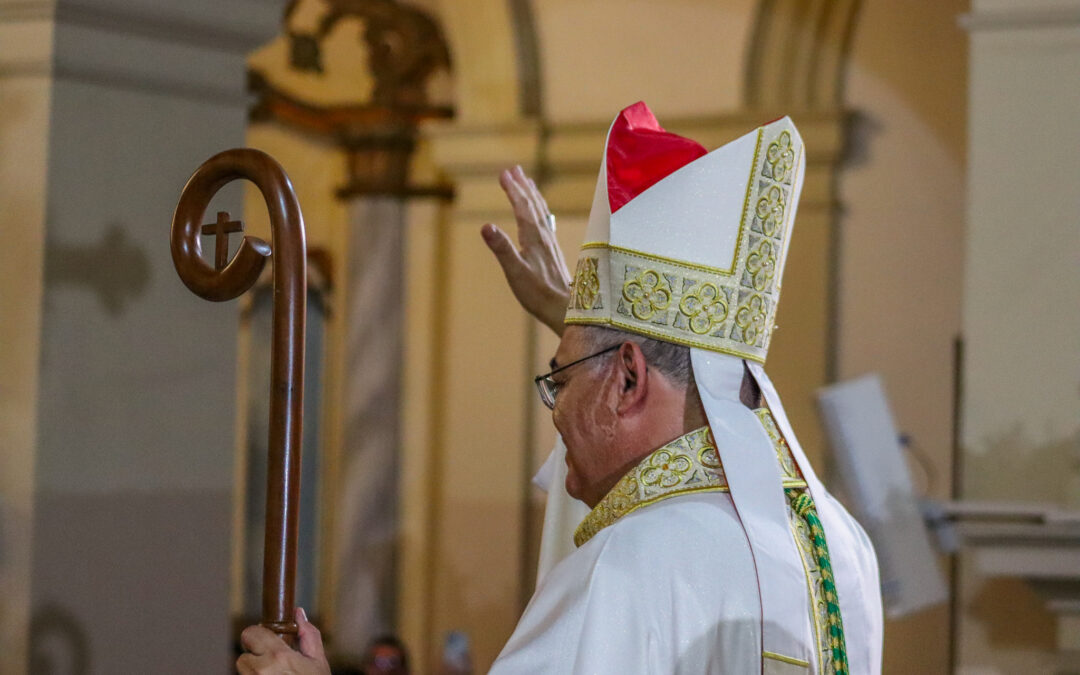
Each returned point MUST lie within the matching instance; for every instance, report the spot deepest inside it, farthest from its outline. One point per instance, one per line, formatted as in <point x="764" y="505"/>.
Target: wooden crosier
<point x="229" y="279"/>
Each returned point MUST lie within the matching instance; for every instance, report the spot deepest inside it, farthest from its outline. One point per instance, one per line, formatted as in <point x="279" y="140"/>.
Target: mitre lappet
<point x="688" y="246"/>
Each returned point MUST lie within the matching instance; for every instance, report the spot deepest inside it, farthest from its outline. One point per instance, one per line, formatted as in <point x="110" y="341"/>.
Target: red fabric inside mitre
<point x="640" y="153"/>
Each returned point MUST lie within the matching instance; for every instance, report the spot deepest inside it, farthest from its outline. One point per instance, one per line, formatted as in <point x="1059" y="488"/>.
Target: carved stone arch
<point x="797" y="53"/>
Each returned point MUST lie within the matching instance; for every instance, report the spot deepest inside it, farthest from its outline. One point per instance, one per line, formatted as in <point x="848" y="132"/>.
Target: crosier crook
<point x="228" y="280"/>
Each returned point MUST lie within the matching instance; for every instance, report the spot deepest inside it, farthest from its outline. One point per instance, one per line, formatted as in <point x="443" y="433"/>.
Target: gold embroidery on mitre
<point x="704" y="307"/>
<point x="687" y="465"/>
<point x="647" y="291"/>
<point x="760" y="264"/>
<point x="728" y="310"/>
<point x="770" y="211"/>
<point x="585" y="291"/>
<point x="779" y="158"/>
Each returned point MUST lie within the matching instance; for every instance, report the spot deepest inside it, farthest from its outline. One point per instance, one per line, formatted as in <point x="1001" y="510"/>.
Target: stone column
<point x="366" y="527"/>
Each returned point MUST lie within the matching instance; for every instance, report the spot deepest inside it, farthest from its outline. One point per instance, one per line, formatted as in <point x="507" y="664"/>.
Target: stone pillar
<point x="366" y="523"/>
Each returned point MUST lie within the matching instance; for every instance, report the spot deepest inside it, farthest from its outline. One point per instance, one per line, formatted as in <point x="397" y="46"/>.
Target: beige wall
<point x="900" y="251"/>
<point x="599" y="56"/>
<point x="1021" y="415"/>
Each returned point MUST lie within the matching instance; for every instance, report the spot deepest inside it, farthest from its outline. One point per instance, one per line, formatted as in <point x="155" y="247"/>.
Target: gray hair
<point x="672" y="360"/>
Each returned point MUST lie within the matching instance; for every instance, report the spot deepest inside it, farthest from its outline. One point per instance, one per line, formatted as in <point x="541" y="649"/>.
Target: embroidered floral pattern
<point x="692" y="465"/>
<point x="585" y="291"/>
<point x="770" y="211"/>
<point x="688" y="464"/>
<point x="761" y="264"/>
<point x="750" y="319"/>
<point x="779" y="158"/>
<point x="705" y="307"/>
<point x="710" y="459"/>
<point x="665" y="469"/>
<point x="648" y="292"/>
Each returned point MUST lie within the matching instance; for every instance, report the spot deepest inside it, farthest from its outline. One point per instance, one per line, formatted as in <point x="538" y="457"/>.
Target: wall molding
<point x="22" y="11"/>
<point x="208" y="34"/>
<point x="26" y="48"/>
<point x="1021" y="19"/>
<point x="221" y="95"/>
<point x="195" y="51"/>
<point x="209" y="30"/>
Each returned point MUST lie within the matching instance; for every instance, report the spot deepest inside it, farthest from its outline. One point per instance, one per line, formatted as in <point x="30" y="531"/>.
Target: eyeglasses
<point x="549" y="387"/>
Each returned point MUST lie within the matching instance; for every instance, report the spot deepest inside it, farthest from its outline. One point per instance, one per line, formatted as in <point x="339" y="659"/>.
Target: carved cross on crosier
<point x="221" y="231"/>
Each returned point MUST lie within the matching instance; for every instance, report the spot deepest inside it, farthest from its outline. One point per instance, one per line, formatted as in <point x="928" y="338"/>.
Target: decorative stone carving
<point x="404" y="47"/>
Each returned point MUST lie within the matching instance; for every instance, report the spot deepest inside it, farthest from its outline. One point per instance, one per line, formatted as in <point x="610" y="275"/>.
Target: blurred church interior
<point x="937" y="246"/>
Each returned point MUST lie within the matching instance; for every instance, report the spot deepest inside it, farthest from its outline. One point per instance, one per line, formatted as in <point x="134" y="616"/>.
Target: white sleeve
<point x="581" y="621"/>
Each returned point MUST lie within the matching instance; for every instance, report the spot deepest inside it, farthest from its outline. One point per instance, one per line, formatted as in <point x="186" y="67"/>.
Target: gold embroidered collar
<point x="686" y="465"/>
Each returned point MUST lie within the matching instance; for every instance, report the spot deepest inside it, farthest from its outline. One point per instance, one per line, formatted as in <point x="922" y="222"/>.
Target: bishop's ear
<point x="633" y="374"/>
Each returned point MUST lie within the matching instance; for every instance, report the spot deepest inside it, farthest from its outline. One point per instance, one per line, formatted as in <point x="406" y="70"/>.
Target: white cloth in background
<point x="562" y="513"/>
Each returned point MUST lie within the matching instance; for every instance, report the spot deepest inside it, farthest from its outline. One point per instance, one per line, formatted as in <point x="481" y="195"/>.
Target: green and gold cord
<point x="803" y="504"/>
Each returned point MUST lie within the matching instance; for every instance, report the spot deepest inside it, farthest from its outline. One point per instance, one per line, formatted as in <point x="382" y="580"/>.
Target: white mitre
<point x="688" y="246"/>
<point x="696" y="257"/>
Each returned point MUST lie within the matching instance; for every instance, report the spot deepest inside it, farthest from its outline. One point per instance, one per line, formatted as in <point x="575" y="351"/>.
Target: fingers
<point x="259" y="640"/>
<point x="503" y="248"/>
<point x="262" y="646"/>
<point x="529" y="213"/>
<point x="538" y="198"/>
<point x="511" y="184"/>
<point x="247" y="664"/>
<point x="550" y="241"/>
<point x="525" y="198"/>
<point x="310" y="639"/>
<point x="268" y="653"/>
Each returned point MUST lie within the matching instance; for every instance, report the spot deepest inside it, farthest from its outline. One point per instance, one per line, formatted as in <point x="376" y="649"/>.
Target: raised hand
<point x="267" y="653"/>
<point x="536" y="272"/>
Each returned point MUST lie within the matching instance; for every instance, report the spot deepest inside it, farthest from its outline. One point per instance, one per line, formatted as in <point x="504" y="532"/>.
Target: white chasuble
<point x="664" y="581"/>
